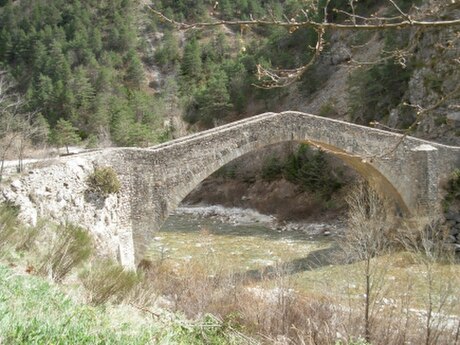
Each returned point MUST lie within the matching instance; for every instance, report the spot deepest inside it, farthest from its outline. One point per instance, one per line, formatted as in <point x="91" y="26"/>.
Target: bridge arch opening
<point x="185" y="236"/>
<point x="364" y="169"/>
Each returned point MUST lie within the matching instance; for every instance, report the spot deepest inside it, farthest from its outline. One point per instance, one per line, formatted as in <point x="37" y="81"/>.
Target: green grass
<point x="32" y="311"/>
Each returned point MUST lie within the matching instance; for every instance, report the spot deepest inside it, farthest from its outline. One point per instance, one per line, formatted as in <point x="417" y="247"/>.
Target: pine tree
<point x="191" y="66"/>
<point x="65" y="134"/>
<point x="214" y="100"/>
<point x="135" y="70"/>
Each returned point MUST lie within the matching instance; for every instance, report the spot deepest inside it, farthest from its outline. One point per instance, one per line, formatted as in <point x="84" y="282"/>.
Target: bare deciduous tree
<point x="17" y="126"/>
<point x="10" y="104"/>
<point x="368" y="236"/>
<point x="425" y="239"/>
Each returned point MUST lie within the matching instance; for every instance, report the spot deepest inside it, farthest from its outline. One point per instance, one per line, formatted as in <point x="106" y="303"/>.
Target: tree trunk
<point x="367" y="331"/>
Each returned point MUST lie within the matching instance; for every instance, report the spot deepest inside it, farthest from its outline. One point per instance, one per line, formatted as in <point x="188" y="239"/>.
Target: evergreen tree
<point x="135" y="70"/>
<point x="191" y="66"/>
<point x="214" y="100"/>
<point x="65" y="134"/>
<point x="226" y="9"/>
<point x="168" y="54"/>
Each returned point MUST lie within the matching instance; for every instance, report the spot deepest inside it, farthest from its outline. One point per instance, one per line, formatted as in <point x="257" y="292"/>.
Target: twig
<point x="310" y="23"/>
<point x="155" y="315"/>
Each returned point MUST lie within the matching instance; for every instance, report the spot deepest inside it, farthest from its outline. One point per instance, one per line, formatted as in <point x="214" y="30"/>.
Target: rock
<point x="453" y="119"/>
<point x="453" y="231"/>
<point x="29" y="216"/>
<point x="339" y="54"/>
<point x="451" y="239"/>
<point x="450" y="215"/>
<point x="451" y="223"/>
<point x="394" y="118"/>
<point x="59" y="196"/>
<point x="16" y="185"/>
<point x="57" y="192"/>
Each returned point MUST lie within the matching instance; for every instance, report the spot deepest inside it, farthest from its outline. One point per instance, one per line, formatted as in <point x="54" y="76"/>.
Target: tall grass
<point x="34" y="312"/>
<point x="8" y="223"/>
<point x="106" y="280"/>
<point x="276" y="312"/>
<point x="71" y="246"/>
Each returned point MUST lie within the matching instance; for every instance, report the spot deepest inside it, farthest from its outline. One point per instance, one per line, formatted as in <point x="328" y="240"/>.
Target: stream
<point x="243" y="240"/>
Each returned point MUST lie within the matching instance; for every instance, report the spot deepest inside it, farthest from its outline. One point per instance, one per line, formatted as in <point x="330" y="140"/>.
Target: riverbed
<point x="243" y="241"/>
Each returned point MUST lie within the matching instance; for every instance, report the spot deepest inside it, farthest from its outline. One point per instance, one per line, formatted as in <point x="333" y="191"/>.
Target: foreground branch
<point x="294" y="25"/>
<point x="278" y="78"/>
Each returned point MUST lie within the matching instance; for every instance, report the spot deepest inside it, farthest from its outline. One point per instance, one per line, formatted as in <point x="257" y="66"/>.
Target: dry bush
<point x="108" y="281"/>
<point x="71" y="246"/>
<point x="13" y="233"/>
<point x="104" y="180"/>
<point x="425" y="239"/>
<point x="369" y="235"/>
<point x="274" y="311"/>
<point x="26" y="237"/>
<point x="271" y="312"/>
<point x="284" y="314"/>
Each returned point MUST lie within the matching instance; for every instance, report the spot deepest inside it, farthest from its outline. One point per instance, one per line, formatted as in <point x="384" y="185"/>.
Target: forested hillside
<point x="80" y="61"/>
<point x="403" y="79"/>
<point x="121" y="75"/>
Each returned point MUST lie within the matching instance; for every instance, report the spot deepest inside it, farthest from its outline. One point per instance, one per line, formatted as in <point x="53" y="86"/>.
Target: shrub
<point x="8" y="223"/>
<point x="227" y="171"/>
<point x="272" y="169"/>
<point x="453" y="190"/>
<point x="104" y="180"/>
<point x="312" y="172"/>
<point x="36" y="312"/>
<point x="71" y="246"/>
<point x="107" y="280"/>
<point x="26" y="236"/>
<point x="328" y="109"/>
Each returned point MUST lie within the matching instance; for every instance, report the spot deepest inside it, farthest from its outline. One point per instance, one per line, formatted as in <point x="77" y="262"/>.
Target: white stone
<point x="16" y="185"/>
<point x="424" y="147"/>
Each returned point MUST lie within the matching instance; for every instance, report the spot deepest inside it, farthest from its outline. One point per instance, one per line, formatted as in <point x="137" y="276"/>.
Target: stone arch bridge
<point x="155" y="180"/>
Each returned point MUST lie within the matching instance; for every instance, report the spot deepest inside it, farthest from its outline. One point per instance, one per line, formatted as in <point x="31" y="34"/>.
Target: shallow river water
<point x="240" y="239"/>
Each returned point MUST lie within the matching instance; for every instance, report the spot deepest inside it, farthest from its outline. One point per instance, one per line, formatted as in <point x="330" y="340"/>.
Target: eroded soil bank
<point x="279" y="198"/>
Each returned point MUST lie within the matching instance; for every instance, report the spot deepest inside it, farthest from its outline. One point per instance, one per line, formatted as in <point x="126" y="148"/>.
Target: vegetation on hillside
<point x="88" y="63"/>
<point x="81" y="62"/>
<point x="307" y="168"/>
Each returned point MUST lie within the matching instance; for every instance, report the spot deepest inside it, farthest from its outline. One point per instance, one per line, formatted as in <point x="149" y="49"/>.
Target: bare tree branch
<point x="405" y="15"/>
<point x="279" y="78"/>
<point x="310" y="23"/>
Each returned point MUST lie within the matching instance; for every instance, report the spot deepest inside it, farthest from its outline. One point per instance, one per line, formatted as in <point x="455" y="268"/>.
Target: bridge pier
<point x="426" y="159"/>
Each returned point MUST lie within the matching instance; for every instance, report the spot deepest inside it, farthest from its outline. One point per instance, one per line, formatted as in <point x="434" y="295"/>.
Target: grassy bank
<point x="33" y="311"/>
<point x="53" y="292"/>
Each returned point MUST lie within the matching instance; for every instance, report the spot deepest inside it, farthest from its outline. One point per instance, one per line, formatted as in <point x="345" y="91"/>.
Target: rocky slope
<point x="58" y="191"/>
